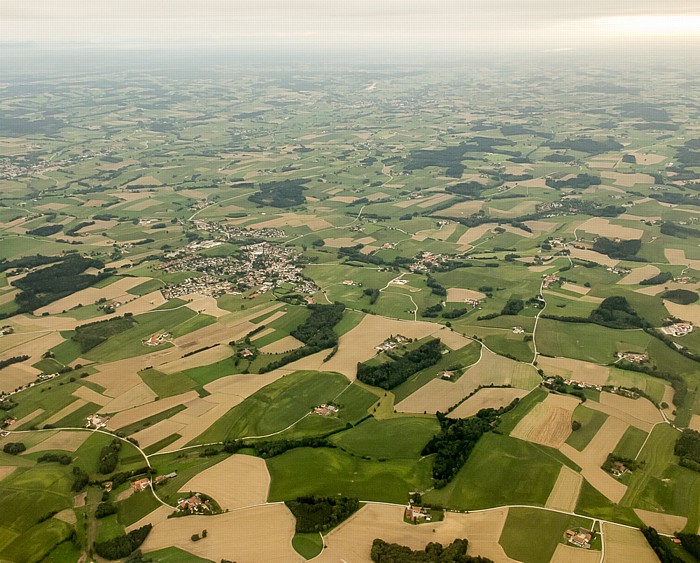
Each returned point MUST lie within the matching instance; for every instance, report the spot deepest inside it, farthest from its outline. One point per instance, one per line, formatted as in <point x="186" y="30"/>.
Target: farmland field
<point x="225" y="282"/>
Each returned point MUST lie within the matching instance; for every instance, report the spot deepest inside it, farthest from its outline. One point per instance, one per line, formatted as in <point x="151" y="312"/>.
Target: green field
<point x="395" y="438"/>
<point x="590" y="421"/>
<point x="523" y="524"/>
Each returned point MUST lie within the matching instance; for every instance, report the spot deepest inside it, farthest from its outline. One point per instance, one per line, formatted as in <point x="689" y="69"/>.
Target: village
<point x="262" y="265"/>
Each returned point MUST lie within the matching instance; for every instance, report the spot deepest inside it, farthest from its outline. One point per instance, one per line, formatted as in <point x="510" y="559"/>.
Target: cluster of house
<point x="326" y="410"/>
<point x="574" y="383"/>
<point x="618" y="469"/>
<point x="193" y="504"/>
<point x="392" y="342"/>
<point x="632" y="357"/>
<point x="261" y="265"/>
<point x="446" y="375"/>
<point x="225" y="232"/>
<point x="7" y="329"/>
<point x="580" y="538"/>
<point x="518" y="330"/>
<point x="141" y="484"/>
<point x="427" y="261"/>
<point x="416" y="514"/>
<point x="46" y="376"/>
<point x="550" y="280"/>
<point x="678" y="329"/>
<point x="157" y="339"/>
<point x="618" y="271"/>
<point x="12" y="169"/>
<point x="96" y="421"/>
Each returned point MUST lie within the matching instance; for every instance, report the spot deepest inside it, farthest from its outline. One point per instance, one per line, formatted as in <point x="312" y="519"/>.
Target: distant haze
<point x="437" y="25"/>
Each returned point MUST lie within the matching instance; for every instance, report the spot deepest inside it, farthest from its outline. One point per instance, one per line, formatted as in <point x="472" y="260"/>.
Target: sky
<point x="411" y="24"/>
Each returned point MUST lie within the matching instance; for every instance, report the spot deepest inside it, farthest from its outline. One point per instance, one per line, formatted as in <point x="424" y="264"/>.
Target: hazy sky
<point x="443" y="24"/>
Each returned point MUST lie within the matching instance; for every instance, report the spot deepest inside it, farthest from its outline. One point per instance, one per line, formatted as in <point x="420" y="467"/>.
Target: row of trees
<point x="456" y="552"/>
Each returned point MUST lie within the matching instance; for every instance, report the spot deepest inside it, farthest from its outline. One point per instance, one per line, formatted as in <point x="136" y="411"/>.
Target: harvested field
<point x="140" y="394"/>
<point x="459" y="295"/>
<point x="439" y="394"/>
<point x="462" y="209"/>
<point x="203" y="358"/>
<point x="581" y="290"/>
<point x="564" y="495"/>
<point x="695" y="422"/>
<point x="159" y="515"/>
<point x="570" y="554"/>
<point x="90" y="396"/>
<point x="64" y="440"/>
<point x="234" y="535"/>
<point x="157" y="432"/>
<point x="474" y="234"/>
<point x="6" y="470"/>
<point x="249" y="487"/>
<point x="664" y="523"/>
<point x="136" y="414"/>
<point x="67" y="515"/>
<point x="640" y="413"/>
<point x="118" y="377"/>
<point x="593" y="256"/>
<point x="487" y="398"/>
<point x="574" y="369"/>
<point x="204" y="304"/>
<point x="626" y="545"/>
<point x="594" y="455"/>
<point x="604" y="228"/>
<point x="79" y="499"/>
<point x="313" y="222"/>
<point x="628" y="180"/>
<point x="114" y="291"/>
<point x="434" y="200"/>
<point x="65" y="411"/>
<point x="639" y="274"/>
<point x="677" y="257"/>
<point x="286" y="344"/>
<point x="358" y="345"/>
<point x="541" y="226"/>
<point x="145" y="181"/>
<point x="32" y="345"/>
<point x="17" y="375"/>
<point x="352" y="540"/>
<point x="549" y="422"/>
<point x="244" y="384"/>
<point x="686" y="312"/>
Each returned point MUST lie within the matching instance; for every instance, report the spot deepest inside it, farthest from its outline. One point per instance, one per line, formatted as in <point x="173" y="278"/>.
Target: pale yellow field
<point x="574" y="369"/>
<point x="237" y="482"/>
<point x="204" y="304"/>
<point x="32" y="345"/>
<point x="647" y="159"/>
<point x="575" y="288"/>
<point x="62" y="440"/>
<point x="145" y="181"/>
<point x="640" y="413"/>
<point x="67" y="515"/>
<point x="487" y="398"/>
<point x="140" y="394"/>
<point x="352" y="540"/>
<point x="286" y="344"/>
<point x="65" y="411"/>
<point x="460" y="295"/>
<point x="295" y="220"/>
<point x="677" y="257"/>
<point x="439" y="394"/>
<point x="570" y="554"/>
<point x="593" y="256"/>
<point x="541" y="226"/>
<point x="252" y="535"/>
<point x="549" y="422"/>
<point x="564" y="495"/>
<point x="664" y="523"/>
<point x="7" y="296"/>
<point x="6" y="471"/>
<point x="686" y="312"/>
<point x="434" y="200"/>
<point x="594" y="455"/>
<point x="605" y="228"/>
<point x="437" y="234"/>
<point x="203" y="358"/>
<point x="118" y="377"/>
<point x="32" y="415"/>
<point x="17" y="375"/>
<point x="87" y="394"/>
<point x="474" y="234"/>
<point x="359" y="344"/>
<point x="640" y="274"/>
<point x="695" y="422"/>
<point x="157" y="432"/>
<point x="628" y="180"/>
<point x="626" y="545"/>
<point x="129" y="416"/>
<point x="464" y="208"/>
